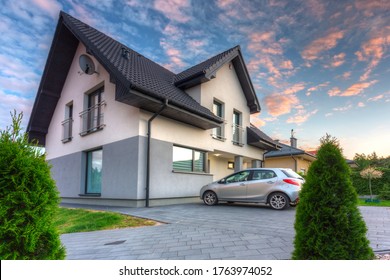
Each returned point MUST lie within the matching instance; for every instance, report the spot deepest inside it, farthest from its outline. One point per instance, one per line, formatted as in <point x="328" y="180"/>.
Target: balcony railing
<point x="238" y="135"/>
<point x="67" y="130"/>
<point x="92" y="119"/>
<point x="219" y="132"/>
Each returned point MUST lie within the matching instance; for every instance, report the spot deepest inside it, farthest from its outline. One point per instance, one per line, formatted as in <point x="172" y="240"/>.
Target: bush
<point x="28" y="200"/>
<point x="361" y="184"/>
<point x="385" y="192"/>
<point x="328" y="223"/>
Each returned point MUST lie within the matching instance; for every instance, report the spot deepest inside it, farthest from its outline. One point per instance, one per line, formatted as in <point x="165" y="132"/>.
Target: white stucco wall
<point x="121" y="119"/>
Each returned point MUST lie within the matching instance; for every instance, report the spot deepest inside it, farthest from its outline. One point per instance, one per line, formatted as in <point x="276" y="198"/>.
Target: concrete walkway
<point x="196" y="231"/>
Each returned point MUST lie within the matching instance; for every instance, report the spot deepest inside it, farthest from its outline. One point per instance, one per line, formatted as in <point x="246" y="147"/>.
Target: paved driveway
<point x="196" y="231"/>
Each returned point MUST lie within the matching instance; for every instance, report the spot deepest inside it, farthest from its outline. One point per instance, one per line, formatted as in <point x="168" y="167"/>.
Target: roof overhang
<point x="260" y="141"/>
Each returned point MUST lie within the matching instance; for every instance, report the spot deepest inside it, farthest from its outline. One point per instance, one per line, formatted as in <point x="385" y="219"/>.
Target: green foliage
<point x="360" y="183"/>
<point x="328" y="223"/>
<point x="385" y="192"/>
<point x="28" y="199"/>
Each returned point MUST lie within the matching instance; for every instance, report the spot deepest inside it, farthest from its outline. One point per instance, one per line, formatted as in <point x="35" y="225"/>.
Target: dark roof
<point x="206" y="70"/>
<point x="287" y="150"/>
<point x="257" y="138"/>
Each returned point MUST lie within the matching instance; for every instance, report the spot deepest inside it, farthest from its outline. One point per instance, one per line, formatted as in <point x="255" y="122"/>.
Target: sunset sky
<point x="317" y="66"/>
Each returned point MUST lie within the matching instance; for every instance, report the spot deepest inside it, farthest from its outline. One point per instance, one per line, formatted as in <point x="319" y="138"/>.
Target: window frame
<point x="193" y="161"/>
<point x="219" y="110"/>
<point x="88" y="160"/>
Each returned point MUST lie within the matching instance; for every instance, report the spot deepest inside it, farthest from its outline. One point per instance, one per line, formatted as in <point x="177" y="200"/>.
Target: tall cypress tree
<point x="328" y="223"/>
<point x="28" y="200"/>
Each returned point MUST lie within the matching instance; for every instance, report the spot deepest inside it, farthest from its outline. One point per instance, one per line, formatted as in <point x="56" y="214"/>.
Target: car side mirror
<point x="222" y="181"/>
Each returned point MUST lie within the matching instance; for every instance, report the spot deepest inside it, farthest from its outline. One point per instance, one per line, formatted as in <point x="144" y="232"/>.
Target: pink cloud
<point x="361" y="104"/>
<point x="357" y="88"/>
<point x="368" y="7"/>
<point x="175" y="10"/>
<point x="301" y="117"/>
<point x="373" y="51"/>
<point x="315" y="88"/>
<point x="287" y="64"/>
<point x="256" y="121"/>
<point x="334" y="91"/>
<point x="316" y="7"/>
<point x="338" y="60"/>
<point x="376" y="98"/>
<point x="294" y="88"/>
<point x="278" y="104"/>
<point x="313" y="50"/>
<point x="51" y="7"/>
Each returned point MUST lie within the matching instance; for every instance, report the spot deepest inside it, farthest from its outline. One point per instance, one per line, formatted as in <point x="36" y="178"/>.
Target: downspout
<point x="295" y="163"/>
<point x="148" y="151"/>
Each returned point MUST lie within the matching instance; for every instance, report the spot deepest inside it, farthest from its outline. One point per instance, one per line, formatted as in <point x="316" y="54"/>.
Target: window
<point x="188" y="160"/>
<point x="218" y="132"/>
<point x="237" y="129"/>
<point x="67" y="123"/>
<point x="238" y="177"/>
<point x="94" y="172"/>
<point x="92" y="117"/>
<point x="263" y="174"/>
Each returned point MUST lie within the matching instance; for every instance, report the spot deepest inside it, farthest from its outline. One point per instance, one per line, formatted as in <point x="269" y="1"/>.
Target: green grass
<point x="82" y="220"/>
<point x="385" y="203"/>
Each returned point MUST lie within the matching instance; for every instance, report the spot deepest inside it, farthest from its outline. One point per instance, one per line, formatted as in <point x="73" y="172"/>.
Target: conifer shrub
<point x="28" y="199"/>
<point x="328" y="224"/>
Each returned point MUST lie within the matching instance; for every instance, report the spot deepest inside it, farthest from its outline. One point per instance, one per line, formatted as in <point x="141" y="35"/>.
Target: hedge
<point x="361" y="184"/>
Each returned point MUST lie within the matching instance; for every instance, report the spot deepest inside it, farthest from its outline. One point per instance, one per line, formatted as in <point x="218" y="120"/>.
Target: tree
<point x="371" y="173"/>
<point x="28" y="199"/>
<point x="328" y="223"/>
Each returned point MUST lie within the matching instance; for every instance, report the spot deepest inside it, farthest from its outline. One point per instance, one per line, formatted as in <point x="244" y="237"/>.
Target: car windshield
<point x="291" y="174"/>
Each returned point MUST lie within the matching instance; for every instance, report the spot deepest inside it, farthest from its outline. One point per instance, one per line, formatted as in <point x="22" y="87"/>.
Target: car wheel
<point x="210" y="198"/>
<point x="278" y="201"/>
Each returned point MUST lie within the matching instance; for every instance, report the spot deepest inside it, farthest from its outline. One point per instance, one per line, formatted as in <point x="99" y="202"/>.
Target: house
<point x="119" y="129"/>
<point x="289" y="156"/>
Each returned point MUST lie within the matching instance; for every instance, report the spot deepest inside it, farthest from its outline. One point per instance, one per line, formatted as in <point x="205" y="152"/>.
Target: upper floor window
<point x="238" y="131"/>
<point x="218" y="110"/>
<point x="188" y="160"/>
<point x="67" y="124"/>
<point x="93" y="117"/>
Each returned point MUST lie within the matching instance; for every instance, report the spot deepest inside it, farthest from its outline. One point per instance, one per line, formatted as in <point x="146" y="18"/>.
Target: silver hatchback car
<point x="277" y="187"/>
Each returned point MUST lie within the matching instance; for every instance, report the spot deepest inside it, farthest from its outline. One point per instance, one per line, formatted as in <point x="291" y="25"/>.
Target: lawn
<point x="70" y="220"/>
<point x="385" y="203"/>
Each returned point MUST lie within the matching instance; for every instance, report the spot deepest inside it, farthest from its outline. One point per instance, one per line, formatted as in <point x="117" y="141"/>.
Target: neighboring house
<point x="120" y="129"/>
<point x="289" y="156"/>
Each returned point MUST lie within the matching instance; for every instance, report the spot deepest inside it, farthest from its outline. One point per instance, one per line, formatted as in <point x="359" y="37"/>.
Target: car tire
<point x="210" y="198"/>
<point x="278" y="201"/>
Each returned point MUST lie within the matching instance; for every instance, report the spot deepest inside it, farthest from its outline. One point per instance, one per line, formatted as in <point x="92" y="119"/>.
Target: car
<point x="277" y="187"/>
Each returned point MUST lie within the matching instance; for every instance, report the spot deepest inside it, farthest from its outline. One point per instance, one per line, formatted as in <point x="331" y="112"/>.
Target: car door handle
<point x="270" y="182"/>
<point x="242" y="184"/>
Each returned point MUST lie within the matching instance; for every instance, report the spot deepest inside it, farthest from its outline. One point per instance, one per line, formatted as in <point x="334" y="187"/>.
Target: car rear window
<point x="291" y="174"/>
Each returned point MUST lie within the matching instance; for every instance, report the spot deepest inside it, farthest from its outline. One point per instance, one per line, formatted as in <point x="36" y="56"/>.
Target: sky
<point x="318" y="67"/>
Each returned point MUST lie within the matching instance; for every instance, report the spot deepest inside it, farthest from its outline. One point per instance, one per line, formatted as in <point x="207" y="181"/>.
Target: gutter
<point x="164" y="105"/>
<point x="295" y="163"/>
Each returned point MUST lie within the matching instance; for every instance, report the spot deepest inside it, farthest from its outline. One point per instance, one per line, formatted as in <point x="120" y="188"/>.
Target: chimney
<point x="293" y="140"/>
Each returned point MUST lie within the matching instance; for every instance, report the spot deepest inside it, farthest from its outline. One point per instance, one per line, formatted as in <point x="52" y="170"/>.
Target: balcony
<point x="67" y="130"/>
<point x="238" y="135"/>
<point x="219" y="132"/>
<point x="92" y="119"/>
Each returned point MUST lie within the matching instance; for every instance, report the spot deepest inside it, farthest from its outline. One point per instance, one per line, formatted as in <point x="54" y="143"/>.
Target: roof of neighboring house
<point x="139" y="81"/>
<point x="287" y="150"/>
<point x="258" y="138"/>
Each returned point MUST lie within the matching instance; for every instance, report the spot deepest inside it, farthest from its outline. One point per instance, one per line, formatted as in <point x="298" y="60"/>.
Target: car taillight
<point x="292" y="182"/>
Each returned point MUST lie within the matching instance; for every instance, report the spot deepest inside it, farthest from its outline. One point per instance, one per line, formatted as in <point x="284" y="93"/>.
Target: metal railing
<point x="219" y="132"/>
<point x="67" y="130"/>
<point x="238" y="135"/>
<point x="92" y="119"/>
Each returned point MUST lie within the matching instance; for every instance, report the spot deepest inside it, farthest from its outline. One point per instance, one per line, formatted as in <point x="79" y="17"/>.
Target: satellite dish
<point x="86" y="64"/>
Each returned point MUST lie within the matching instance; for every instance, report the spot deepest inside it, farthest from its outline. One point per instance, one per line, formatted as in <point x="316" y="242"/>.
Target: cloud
<point x="316" y="47"/>
<point x="10" y="102"/>
<point x="369" y="7"/>
<point x="334" y="91"/>
<point x="357" y="88"/>
<point x="361" y="104"/>
<point x="373" y="51"/>
<point x="376" y="98"/>
<point x="294" y="88"/>
<point x="315" y="88"/>
<point x="316" y="8"/>
<point x="278" y="104"/>
<point x="50" y="7"/>
<point x="337" y="60"/>
<point x="256" y="121"/>
<point x="353" y="90"/>
<point x="174" y="10"/>
<point x="301" y="117"/>
<point x="342" y="109"/>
